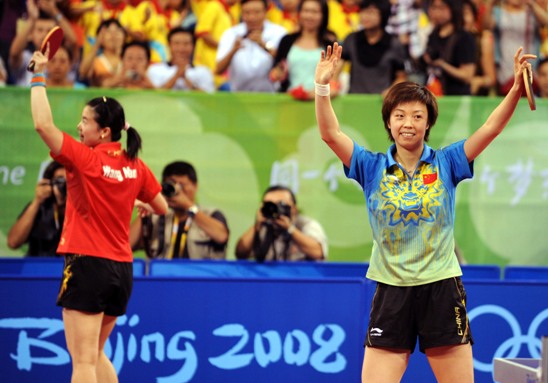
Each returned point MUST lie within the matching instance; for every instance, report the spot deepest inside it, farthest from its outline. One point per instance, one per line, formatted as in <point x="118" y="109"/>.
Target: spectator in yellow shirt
<point x="96" y="11"/>
<point x="215" y="19"/>
<point x="157" y="20"/>
<point x="286" y="14"/>
<point x="344" y="17"/>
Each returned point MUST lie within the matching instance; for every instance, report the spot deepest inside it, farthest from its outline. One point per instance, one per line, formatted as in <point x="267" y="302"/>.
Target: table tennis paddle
<point x="54" y="38"/>
<point x="528" y="81"/>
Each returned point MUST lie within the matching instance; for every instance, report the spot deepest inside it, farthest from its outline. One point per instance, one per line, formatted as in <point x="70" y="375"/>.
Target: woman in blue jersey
<point x="410" y="196"/>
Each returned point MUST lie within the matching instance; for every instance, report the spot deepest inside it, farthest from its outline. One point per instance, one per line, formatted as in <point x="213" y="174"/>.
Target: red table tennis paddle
<point x="528" y="81"/>
<point x="54" y="38"/>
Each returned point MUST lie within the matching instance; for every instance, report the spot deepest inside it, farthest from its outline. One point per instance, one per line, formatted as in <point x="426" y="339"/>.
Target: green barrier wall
<point x="240" y="143"/>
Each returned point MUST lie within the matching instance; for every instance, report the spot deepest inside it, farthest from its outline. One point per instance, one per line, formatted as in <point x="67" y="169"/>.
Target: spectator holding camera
<point x="135" y="62"/>
<point x="41" y="221"/>
<point x="280" y="233"/>
<point x="187" y="230"/>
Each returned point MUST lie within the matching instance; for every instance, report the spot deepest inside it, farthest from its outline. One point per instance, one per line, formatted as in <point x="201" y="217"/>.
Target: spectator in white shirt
<point x="179" y="73"/>
<point x="247" y="50"/>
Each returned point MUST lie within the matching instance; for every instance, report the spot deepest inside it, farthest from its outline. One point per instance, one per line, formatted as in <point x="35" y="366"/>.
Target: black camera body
<point x="170" y="188"/>
<point x="271" y="210"/>
<point x="61" y="184"/>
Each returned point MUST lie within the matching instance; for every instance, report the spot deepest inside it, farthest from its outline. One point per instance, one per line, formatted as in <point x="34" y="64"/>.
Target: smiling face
<point x="40" y="30"/>
<point x="310" y="15"/>
<point x="181" y="46"/>
<point x="135" y="58"/>
<point x="370" y="18"/>
<point x="439" y="13"/>
<point x="408" y="125"/>
<point x="59" y="65"/>
<point x="254" y="14"/>
<point x="88" y="129"/>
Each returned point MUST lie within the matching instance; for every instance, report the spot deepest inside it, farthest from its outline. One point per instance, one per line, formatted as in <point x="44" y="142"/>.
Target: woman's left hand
<point x="325" y="70"/>
<point x="143" y="209"/>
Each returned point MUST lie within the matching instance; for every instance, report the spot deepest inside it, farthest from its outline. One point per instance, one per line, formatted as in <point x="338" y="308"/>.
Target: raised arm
<point x="330" y="131"/>
<point x="498" y="119"/>
<point x="41" y="111"/>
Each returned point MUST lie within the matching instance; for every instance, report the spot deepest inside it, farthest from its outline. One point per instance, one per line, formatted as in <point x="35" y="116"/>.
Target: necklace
<point x="403" y="167"/>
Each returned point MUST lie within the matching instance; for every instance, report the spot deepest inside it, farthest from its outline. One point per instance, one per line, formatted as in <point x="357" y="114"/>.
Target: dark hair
<point x="109" y="113"/>
<point x="457" y="18"/>
<point x="180" y="168"/>
<point x="42" y="15"/>
<point x="281" y="188"/>
<point x="141" y="44"/>
<point x="541" y="63"/>
<point x="383" y="6"/>
<point x="69" y="51"/>
<point x="323" y="32"/>
<point x="472" y="6"/>
<point x="176" y="30"/>
<point x="404" y="92"/>
<point x="242" y="2"/>
<point x="108" y="22"/>
<point x="50" y="170"/>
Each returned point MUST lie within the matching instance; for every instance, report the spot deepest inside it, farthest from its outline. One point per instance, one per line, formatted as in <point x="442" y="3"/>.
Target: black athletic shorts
<point x="95" y="284"/>
<point x="435" y="313"/>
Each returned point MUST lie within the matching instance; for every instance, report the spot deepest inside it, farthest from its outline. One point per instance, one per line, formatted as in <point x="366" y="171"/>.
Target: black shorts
<point x="95" y="285"/>
<point x="435" y="313"/>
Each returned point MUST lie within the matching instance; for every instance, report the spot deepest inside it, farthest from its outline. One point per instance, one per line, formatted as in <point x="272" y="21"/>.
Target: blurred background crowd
<point x="455" y="47"/>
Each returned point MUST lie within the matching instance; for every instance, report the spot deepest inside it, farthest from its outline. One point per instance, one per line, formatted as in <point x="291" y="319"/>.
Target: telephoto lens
<point x="61" y="184"/>
<point x="271" y="210"/>
<point x="170" y="189"/>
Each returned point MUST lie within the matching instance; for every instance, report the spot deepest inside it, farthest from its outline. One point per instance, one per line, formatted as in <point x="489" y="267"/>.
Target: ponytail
<point x="133" y="143"/>
<point x="109" y="113"/>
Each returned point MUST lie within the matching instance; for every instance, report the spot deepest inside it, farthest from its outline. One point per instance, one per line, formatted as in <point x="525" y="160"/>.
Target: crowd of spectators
<point x="455" y="47"/>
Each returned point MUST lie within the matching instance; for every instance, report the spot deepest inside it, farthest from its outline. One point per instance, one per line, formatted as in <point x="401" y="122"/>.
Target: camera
<point x="61" y="184"/>
<point x="133" y="75"/>
<point x="271" y="210"/>
<point x="170" y="188"/>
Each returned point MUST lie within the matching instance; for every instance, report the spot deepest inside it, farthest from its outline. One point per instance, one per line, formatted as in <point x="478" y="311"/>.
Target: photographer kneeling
<point x="187" y="230"/>
<point x="280" y="233"/>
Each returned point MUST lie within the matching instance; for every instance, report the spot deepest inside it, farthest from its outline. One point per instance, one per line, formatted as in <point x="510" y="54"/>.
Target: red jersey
<point x="102" y="185"/>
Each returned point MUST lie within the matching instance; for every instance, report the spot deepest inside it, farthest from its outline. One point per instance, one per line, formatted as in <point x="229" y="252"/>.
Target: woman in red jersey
<point x="103" y="184"/>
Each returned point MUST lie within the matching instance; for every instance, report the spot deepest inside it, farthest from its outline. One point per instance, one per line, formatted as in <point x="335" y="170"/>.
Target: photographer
<point x="41" y="221"/>
<point x="187" y="230"/>
<point x="280" y="233"/>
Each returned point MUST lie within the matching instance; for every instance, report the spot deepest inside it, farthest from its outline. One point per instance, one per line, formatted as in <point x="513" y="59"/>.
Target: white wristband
<point x="291" y="229"/>
<point x="322" y="89"/>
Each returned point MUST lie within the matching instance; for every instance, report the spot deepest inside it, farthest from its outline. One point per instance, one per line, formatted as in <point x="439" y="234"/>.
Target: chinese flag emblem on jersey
<point x="429" y="178"/>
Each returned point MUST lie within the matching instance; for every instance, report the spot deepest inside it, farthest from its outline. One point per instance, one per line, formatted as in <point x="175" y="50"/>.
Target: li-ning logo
<point x="375" y="331"/>
<point x="458" y="320"/>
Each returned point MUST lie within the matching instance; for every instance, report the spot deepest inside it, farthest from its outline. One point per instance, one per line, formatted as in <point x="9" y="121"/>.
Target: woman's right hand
<point x="329" y="60"/>
<point x="40" y="60"/>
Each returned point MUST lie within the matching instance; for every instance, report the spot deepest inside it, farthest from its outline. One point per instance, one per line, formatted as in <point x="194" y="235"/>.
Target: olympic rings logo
<point x="510" y="348"/>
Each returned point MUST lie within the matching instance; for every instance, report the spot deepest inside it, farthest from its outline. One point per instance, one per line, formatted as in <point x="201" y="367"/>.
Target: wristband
<point x="322" y="89"/>
<point x="38" y="75"/>
<point x="291" y="229"/>
<point x="37" y="83"/>
<point x="193" y="210"/>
